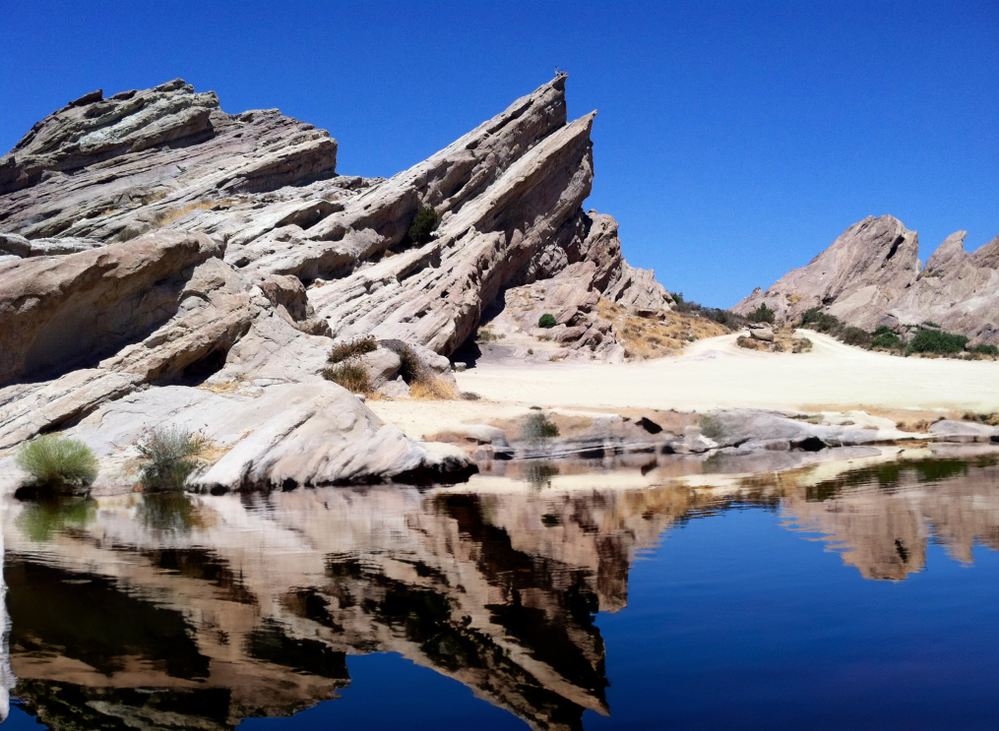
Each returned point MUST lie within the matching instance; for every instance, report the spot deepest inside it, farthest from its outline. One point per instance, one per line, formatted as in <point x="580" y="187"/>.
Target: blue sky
<point x="735" y="140"/>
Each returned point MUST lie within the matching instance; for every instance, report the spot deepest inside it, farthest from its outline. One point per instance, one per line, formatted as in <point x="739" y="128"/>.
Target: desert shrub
<point x="801" y="345"/>
<point x="885" y="338"/>
<point x="724" y="317"/>
<point x="352" y="349"/>
<point x="547" y="320"/>
<point x="936" y="341"/>
<point x="680" y="304"/>
<point x="816" y="319"/>
<point x="350" y="374"/>
<point x="750" y="343"/>
<point x="422" y="228"/>
<point x="762" y="314"/>
<point x="57" y="464"/>
<point x="432" y="387"/>
<point x="984" y="349"/>
<point x="538" y="426"/>
<point x="855" y="336"/>
<point x="171" y="455"/>
<point x="930" y="323"/>
<point x="410" y="367"/>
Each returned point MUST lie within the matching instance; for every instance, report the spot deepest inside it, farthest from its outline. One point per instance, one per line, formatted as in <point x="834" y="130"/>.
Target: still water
<point x="817" y="600"/>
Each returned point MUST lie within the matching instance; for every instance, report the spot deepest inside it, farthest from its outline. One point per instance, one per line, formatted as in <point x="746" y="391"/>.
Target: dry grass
<point x="352" y="376"/>
<point x="225" y="387"/>
<point x="433" y="388"/>
<point x="784" y="342"/>
<point x="165" y="218"/>
<point x="654" y="338"/>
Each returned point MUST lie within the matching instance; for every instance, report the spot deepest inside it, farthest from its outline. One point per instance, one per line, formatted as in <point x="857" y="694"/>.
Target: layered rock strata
<point x="151" y="240"/>
<point x="871" y="276"/>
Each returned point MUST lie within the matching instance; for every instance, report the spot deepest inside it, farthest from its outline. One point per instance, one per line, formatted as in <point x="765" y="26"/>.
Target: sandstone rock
<point x="871" y="276"/>
<point x="60" y="313"/>
<point x="964" y="431"/>
<point x="764" y="334"/>
<point x="150" y="239"/>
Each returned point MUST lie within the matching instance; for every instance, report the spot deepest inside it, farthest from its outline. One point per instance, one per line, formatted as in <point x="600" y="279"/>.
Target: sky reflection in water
<point x="562" y="608"/>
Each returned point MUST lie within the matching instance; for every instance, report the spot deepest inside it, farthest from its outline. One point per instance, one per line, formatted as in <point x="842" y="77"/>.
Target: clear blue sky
<point x="735" y="140"/>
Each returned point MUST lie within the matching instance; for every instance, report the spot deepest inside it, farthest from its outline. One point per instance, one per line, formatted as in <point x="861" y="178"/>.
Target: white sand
<point x="712" y="373"/>
<point x="716" y="372"/>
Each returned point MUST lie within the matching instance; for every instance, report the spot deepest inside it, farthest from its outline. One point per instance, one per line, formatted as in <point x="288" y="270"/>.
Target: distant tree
<point x="763" y="314"/>
<point x="547" y="320"/>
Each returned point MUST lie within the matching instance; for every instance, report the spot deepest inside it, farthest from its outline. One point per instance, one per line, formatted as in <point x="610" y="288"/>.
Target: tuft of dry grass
<point x="432" y="387"/>
<point x="351" y="375"/>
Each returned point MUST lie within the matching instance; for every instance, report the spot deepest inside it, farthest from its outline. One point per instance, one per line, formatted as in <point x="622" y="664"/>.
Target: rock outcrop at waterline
<point x="871" y="275"/>
<point x="150" y="239"/>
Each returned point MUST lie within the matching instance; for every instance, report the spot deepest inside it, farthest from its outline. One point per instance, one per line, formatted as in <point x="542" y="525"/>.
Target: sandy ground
<point x="716" y="373"/>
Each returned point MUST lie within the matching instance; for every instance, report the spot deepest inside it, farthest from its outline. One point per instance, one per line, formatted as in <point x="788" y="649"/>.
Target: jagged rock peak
<point x="871" y="275"/>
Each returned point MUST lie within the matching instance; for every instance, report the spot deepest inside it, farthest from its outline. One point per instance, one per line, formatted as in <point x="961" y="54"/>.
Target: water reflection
<point x="172" y="611"/>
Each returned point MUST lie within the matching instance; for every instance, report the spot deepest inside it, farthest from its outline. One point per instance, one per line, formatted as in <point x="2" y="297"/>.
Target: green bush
<point x="420" y="232"/>
<point x="885" y="338"/>
<point x="823" y="322"/>
<point x="537" y="426"/>
<point x="984" y="349"/>
<point x="351" y="375"/>
<point x="762" y="314"/>
<point x="352" y="349"/>
<point x="937" y="341"/>
<point x="547" y="320"/>
<point x="170" y="455"/>
<point x="57" y="464"/>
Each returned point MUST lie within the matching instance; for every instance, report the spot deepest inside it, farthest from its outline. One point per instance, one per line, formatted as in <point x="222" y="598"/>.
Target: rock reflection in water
<point x="178" y="611"/>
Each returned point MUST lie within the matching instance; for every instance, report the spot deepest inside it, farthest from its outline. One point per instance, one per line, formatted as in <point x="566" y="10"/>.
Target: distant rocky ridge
<point x="871" y="276"/>
<point x="151" y="239"/>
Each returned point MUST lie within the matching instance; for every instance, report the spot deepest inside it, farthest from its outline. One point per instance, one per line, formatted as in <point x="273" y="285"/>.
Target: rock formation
<point x="150" y="239"/>
<point x="871" y="276"/>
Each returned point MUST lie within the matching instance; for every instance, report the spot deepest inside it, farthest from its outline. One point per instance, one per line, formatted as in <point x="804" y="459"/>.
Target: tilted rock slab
<point x="871" y="276"/>
<point x="150" y="239"/>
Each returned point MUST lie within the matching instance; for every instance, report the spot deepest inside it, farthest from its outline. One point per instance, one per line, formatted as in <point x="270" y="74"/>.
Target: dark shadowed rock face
<point x="871" y="275"/>
<point x="150" y="238"/>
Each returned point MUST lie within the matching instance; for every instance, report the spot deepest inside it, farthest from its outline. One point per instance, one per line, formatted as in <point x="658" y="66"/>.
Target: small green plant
<point x="421" y="231"/>
<point x="762" y="314"/>
<point x="547" y="321"/>
<point x="57" y="464"/>
<point x="537" y="426"/>
<point x="171" y="455"/>
<point x="351" y="375"/>
<point x="352" y="349"/>
<point x="937" y="341"/>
